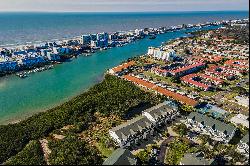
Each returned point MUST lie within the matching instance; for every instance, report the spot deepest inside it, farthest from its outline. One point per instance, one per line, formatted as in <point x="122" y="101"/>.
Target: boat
<point x="23" y="75"/>
<point x="152" y="37"/>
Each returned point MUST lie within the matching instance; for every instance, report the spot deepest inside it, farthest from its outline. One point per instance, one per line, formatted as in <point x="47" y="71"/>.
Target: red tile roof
<point x="212" y="69"/>
<point x="123" y="66"/>
<point x="187" y="67"/>
<point x="189" y="79"/>
<point x="212" y="78"/>
<point x="163" y="91"/>
<point x="241" y="63"/>
<point x="210" y="58"/>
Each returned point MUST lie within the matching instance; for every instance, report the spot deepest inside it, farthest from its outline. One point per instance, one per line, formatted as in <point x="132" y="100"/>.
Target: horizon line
<point x="177" y="11"/>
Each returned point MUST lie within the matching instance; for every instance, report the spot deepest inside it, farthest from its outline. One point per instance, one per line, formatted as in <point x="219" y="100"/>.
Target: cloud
<point x="121" y="5"/>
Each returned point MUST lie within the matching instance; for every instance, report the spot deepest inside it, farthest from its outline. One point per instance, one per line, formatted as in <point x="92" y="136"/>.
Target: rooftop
<point x="120" y="157"/>
<point x="123" y="66"/>
<point x="131" y="126"/>
<point x="213" y="123"/>
<point x="187" y="67"/>
<point x="163" y="91"/>
<point x="195" y="159"/>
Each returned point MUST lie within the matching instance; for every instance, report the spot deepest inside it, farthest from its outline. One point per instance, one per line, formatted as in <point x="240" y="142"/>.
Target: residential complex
<point x="243" y="145"/>
<point x="142" y="127"/>
<point x="216" y="129"/>
<point x="206" y="75"/>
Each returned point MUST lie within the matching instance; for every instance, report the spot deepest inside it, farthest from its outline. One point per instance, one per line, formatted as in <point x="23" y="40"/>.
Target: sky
<point x="121" y="5"/>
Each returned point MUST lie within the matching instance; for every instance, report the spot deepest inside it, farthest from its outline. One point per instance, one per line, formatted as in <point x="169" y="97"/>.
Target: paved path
<point x="163" y="148"/>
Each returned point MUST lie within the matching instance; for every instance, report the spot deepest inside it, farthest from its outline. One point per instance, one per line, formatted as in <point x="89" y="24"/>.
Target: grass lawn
<point x="156" y="61"/>
<point x="104" y="151"/>
<point x="154" y="76"/>
<point x="231" y="96"/>
<point x="207" y="93"/>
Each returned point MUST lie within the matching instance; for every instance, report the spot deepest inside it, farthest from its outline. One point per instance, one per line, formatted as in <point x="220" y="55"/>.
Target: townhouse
<point x="219" y="72"/>
<point x="121" y="157"/>
<point x="216" y="129"/>
<point x="238" y="64"/>
<point x="121" y="67"/>
<point x="196" y="159"/>
<point x="195" y="81"/>
<point x="172" y="95"/>
<point x="139" y="128"/>
<point x="187" y="69"/>
<point x="243" y="145"/>
<point x="161" y="113"/>
<point x="132" y="132"/>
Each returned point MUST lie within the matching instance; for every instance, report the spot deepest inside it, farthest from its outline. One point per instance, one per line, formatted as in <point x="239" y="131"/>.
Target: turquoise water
<point x="19" y="28"/>
<point x="40" y="91"/>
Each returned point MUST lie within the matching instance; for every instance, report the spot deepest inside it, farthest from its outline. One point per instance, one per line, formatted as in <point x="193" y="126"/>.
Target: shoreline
<point x="20" y="119"/>
<point x="17" y="120"/>
<point x="130" y="37"/>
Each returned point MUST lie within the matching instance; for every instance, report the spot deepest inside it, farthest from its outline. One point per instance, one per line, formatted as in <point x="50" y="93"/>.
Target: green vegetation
<point x="104" y="150"/>
<point x="180" y="129"/>
<point x="155" y="77"/>
<point x="186" y="109"/>
<point x="72" y="151"/>
<point x="31" y="155"/>
<point x="144" y="155"/>
<point x="112" y="96"/>
<point x="176" y="151"/>
<point x="240" y="90"/>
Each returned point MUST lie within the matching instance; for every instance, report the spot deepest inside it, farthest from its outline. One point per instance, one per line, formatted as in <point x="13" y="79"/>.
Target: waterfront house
<point x="243" y="145"/>
<point x="196" y="159"/>
<point x="216" y="129"/>
<point x="121" y="157"/>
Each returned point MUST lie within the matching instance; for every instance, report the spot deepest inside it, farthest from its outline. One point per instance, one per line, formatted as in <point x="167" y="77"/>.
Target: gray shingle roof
<point x="213" y="123"/>
<point x="245" y="139"/>
<point x="121" y="157"/>
<point x="195" y="159"/>
<point x="160" y="109"/>
<point x="134" y="125"/>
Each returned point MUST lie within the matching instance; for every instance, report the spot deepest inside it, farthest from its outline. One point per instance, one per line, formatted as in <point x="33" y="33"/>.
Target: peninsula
<point x="180" y="103"/>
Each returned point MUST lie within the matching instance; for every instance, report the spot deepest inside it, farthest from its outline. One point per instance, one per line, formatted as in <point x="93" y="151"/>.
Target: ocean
<point x="22" y="28"/>
<point x="21" y="98"/>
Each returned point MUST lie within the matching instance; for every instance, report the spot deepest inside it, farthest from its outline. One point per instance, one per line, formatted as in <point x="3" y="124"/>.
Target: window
<point x="225" y="132"/>
<point x="213" y="127"/>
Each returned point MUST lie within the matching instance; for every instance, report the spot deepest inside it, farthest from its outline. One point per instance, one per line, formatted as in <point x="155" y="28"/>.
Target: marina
<point x="25" y="74"/>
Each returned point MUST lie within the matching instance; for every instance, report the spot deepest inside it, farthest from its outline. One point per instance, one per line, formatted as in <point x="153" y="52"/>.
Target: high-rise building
<point x="85" y="39"/>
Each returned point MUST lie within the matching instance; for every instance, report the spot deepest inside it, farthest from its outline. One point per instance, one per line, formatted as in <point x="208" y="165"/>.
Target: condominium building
<point x="216" y="129"/>
<point x="142" y="127"/>
<point x="243" y="145"/>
